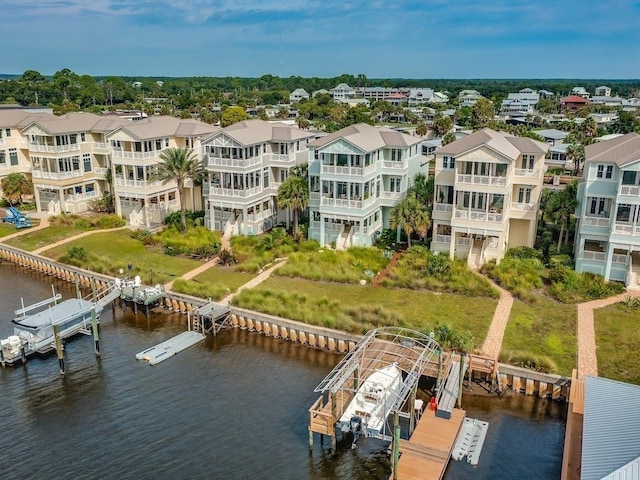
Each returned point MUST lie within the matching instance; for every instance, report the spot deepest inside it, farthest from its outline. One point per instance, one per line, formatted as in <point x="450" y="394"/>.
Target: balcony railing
<point x="481" y="179"/>
<point x="443" y="239"/>
<point x="589" y="255"/>
<point x="523" y="206"/>
<point x="38" y="147"/>
<point x="80" y="196"/>
<point x="136" y="155"/>
<point x="631" y="190"/>
<point x="282" y="157"/>
<point x="463" y="241"/>
<point x="255" y="217"/>
<point x="327" y="226"/>
<point x="121" y="182"/>
<point x="479" y="216"/>
<point x="230" y="192"/>
<point x="233" y="162"/>
<point x="347" y="203"/>
<point x="391" y="195"/>
<point x="56" y="175"/>
<point x="346" y="170"/>
<point x="100" y="146"/>
<point x="623" y="229"/>
<point x="394" y="165"/>
<point x="596" y="221"/>
<point x="101" y="170"/>
<point x="617" y="258"/>
<point x="315" y="196"/>
<point x="371" y="228"/>
<point x="527" y="172"/>
<point x="442" y="207"/>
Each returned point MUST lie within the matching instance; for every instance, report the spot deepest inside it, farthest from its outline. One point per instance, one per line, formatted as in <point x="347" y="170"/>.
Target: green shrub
<point x="539" y="363"/>
<point x="197" y="241"/>
<point x="569" y="286"/>
<point x="518" y="274"/>
<point x="193" y="218"/>
<point x="77" y="253"/>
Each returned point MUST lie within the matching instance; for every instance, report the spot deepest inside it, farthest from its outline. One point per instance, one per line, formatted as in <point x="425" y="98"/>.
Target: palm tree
<point x="423" y="188"/>
<point x="560" y="206"/>
<point x="575" y="152"/>
<point x="411" y="217"/>
<point x="294" y="195"/>
<point x="180" y="165"/>
<point x="15" y="185"/>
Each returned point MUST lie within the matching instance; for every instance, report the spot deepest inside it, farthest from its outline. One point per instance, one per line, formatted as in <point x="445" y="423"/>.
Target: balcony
<point x="481" y="179"/>
<point x="445" y="239"/>
<point x="596" y="221"/>
<point x="346" y="203"/>
<point x="335" y="227"/>
<point x="590" y="255"/>
<point x="442" y="207"/>
<point x="101" y="170"/>
<point x="101" y="146"/>
<point x="314" y="196"/>
<point x="394" y="165"/>
<point x="625" y="229"/>
<point x="527" y="172"/>
<point x="630" y="190"/>
<point x="391" y="195"/>
<point x="346" y="170"/>
<point x="136" y="155"/>
<point x="478" y="216"/>
<point x="529" y="207"/>
<point x="121" y="182"/>
<point x="256" y="217"/>
<point x="80" y="196"/>
<point x="37" y="147"/>
<point x="232" y="162"/>
<point x="235" y="193"/>
<point x="56" y="175"/>
<point x="282" y="157"/>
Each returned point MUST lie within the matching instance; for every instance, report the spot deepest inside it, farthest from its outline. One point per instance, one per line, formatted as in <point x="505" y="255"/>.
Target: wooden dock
<point x="171" y="347"/>
<point x="426" y="454"/>
<point x="572" y="457"/>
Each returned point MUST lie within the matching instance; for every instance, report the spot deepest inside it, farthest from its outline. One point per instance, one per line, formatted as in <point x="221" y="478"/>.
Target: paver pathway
<point x="44" y="223"/>
<point x="493" y="342"/>
<point x="254" y="281"/>
<point x="75" y="237"/>
<point x="587" y="350"/>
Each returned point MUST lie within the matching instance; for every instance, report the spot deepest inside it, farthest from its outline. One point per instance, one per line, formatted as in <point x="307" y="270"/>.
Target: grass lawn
<point x="417" y="309"/>
<point x="107" y="252"/>
<point x="9" y="228"/>
<point x="215" y="283"/>
<point x="41" y="238"/>
<point x="544" y="327"/>
<point x="618" y="341"/>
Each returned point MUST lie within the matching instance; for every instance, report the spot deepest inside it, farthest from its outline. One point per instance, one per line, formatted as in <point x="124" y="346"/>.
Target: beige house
<point x="246" y="163"/>
<point x="139" y="196"/>
<point x="487" y="191"/>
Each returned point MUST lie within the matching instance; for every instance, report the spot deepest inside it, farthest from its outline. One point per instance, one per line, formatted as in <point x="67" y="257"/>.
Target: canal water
<point x="234" y="407"/>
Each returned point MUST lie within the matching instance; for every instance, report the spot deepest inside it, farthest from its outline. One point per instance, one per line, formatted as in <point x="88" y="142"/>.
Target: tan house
<point x="246" y="163"/>
<point x="487" y="191"/>
<point x="139" y="196"/>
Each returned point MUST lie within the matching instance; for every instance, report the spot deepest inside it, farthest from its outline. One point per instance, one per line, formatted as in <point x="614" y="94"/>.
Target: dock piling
<point x="59" y="350"/>
<point x="396" y="444"/>
<point x="94" y="319"/>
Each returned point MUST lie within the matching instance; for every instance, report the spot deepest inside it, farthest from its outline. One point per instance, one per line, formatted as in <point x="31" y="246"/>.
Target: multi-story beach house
<point x="356" y="176"/>
<point x="246" y="163"/>
<point x="487" y="190"/>
<point x="608" y="212"/>
<point x="140" y="196"/>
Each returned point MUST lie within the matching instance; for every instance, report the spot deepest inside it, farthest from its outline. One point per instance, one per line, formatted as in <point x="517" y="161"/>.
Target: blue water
<point x="233" y="407"/>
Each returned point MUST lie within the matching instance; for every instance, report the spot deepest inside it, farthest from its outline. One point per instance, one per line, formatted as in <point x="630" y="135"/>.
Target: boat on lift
<point x="367" y="412"/>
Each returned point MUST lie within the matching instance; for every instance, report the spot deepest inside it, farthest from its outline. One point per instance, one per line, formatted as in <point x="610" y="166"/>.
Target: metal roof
<point x="611" y="430"/>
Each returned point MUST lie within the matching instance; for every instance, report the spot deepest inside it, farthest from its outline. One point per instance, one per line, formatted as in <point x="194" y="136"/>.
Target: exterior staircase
<point x="53" y="207"/>
<point x="136" y="218"/>
<point x="342" y="243"/>
<point x="232" y="228"/>
<point x="473" y="260"/>
<point x="633" y="273"/>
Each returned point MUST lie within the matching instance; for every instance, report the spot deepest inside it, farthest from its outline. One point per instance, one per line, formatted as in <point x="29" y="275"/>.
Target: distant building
<point x="418" y="96"/>
<point x="552" y="136"/>
<point x="298" y="94"/>
<point x="342" y="91"/>
<point x="469" y="99"/>
<point x="322" y="91"/>
<point x="580" y="92"/>
<point x="574" y="102"/>
<point x="136" y="84"/>
<point x="603" y="91"/>
<point x="546" y="94"/>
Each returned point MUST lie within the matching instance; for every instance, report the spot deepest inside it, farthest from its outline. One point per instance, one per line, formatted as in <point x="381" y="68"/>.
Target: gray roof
<point x="251" y="132"/>
<point x="368" y="138"/>
<point x="501" y="142"/>
<point x="552" y="133"/>
<point x="20" y="118"/>
<point x="165" y="126"/>
<point x="611" y="428"/>
<point x="621" y="150"/>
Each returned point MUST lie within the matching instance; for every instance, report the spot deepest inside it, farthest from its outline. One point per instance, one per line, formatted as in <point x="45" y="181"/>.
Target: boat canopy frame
<point x="410" y="350"/>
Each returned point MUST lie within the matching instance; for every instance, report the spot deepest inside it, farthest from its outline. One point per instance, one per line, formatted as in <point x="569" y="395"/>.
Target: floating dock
<point x="171" y="347"/>
<point x="470" y="440"/>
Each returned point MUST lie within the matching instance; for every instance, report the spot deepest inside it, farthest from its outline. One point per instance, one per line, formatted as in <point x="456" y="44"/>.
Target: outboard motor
<point x="355" y="426"/>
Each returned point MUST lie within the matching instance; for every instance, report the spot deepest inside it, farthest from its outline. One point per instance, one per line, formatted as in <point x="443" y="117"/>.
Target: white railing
<point x="282" y="157"/>
<point x="443" y="239"/>
<point x="136" y="218"/>
<point x="589" y="255"/>
<point x="136" y="155"/>
<point x="617" y="258"/>
<point x="391" y="195"/>
<point x="371" y="228"/>
<point x="4" y="165"/>
<point x="101" y="170"/>
<point x="229" y="192"/>
<point x="100" y="146"/>
<point x="479" y="216"/>
<point x="623" y="229"/>
<point x="255" y="217"/>
<point x="633" y="190"/>
<point x="314" y="196"/>
<point x="463" y="241"/>
<point x="596" y="221"/>
<point x="481" y="179"/>
<point x="315" y="224"/>
<point x="335" y="202"/>
<point x="121" y="182"/>
<point x="56" y="175"/>
<point x="80" y="196"/>
<point x="330" y="169"/>
<point x="174" y="203"/>
<point x="442" y="207"/>
<point x="232" y="162"/>
<point x="327" y="225"/>
<point x="523" y="206"/>
<point x="394" y="165"/>
<point x="53" y="208"/>
<point x="526" y="172"/>
<point x="38" y="147"/>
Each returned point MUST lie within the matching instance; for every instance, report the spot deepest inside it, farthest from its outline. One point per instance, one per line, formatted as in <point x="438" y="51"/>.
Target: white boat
<point x="34" y="332"/>
<point x="368" y="411"/>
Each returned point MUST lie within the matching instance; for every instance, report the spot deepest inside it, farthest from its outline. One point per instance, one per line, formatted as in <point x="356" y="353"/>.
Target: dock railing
<point x="320" y="419"/>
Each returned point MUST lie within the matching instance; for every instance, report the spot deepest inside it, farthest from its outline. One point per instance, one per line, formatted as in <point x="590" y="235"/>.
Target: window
<point x="315" y="154"/>
<point x="283" y="175"/>
<point x="528" y="162"/>
<point x="605" y="173"/>
<point x="13" y="156"/>
<point x="83" y="137"/>
<point x="628" y="178"/>
<point x="3" y="157"/>
<point x="86" y="160"/>
<point x="265" y="177"/>
<point x="7" y="132"/>
<point x="394" y="184"/>
<point x="448" y="162"/>
<point x="597" y="206"/>
<point x="76" y="163"/>
<point x="524" y="195"/>
<point x="609" y="172"/>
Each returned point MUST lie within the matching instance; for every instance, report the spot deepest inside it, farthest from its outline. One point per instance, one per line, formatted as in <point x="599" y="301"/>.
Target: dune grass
<point x="108" y="252"/>
<point x="356" y="308"/>
<point x="215" y="283"/>
<point x="617" y="341"/>
<point x="543" y="327"/>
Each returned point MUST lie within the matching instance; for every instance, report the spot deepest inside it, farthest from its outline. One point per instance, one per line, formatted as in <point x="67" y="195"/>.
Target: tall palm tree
<point x="180" y="165"/>
<point x="294" y="195"/>
<point x="411" y="216"/>
<point x="15" y="185"/>
<point x="560" y="206"/>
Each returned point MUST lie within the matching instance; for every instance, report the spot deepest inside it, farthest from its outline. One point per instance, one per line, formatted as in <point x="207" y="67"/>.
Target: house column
<point x="452" y="244"/>
<point x="241" y="227"/>
<point x="36" y="194"/>
<point x="147" y="221"/>
<point x="116" y="203"/>
<point x="321" y="231"/>
<point x="63" y="207"/>
<point x="361" y="233"/>
<point x="608" y="256"/>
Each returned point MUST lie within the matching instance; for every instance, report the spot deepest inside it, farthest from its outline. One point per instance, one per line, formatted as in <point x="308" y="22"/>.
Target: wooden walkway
<point x="426" y="455"/>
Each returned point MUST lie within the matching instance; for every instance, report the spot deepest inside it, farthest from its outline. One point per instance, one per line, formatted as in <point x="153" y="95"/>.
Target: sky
<point x="324" y="38"/>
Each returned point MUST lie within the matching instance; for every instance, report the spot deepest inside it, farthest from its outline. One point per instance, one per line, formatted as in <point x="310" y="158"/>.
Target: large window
<point x="13" y="156"/>
<point x="598" y="206"/>
<point x="605" y="171"/>
<point x="628" y="178"/>
<point x="86" y="161"/>
<point x="524" y="195"/>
